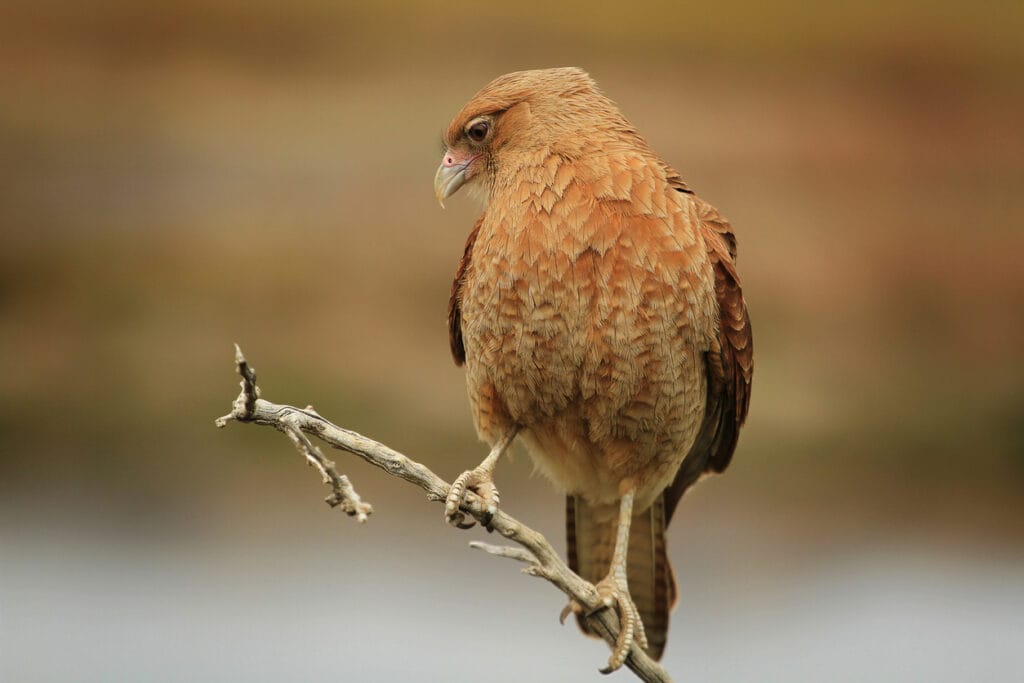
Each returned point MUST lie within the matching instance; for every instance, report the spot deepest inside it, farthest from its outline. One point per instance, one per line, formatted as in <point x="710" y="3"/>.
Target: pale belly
<point x="606" y="383"/>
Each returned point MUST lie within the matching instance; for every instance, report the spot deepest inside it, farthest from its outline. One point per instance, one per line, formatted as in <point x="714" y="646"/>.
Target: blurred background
<point x="179" y="176"/>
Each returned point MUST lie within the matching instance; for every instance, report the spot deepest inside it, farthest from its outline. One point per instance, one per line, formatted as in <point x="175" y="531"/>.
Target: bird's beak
<point x="451" y="175"/>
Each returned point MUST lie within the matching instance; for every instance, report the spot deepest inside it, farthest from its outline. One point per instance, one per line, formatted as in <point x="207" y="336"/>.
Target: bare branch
<point x="541" y="558"/>
<point x="518" y="554"/>
<point x="343" y="494"/>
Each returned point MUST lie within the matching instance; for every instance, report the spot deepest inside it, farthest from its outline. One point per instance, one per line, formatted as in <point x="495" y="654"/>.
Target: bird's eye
<point x="478" y="131"/>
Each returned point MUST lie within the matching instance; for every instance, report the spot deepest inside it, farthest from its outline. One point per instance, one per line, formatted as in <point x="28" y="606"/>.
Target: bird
<point x="601" y="321"/>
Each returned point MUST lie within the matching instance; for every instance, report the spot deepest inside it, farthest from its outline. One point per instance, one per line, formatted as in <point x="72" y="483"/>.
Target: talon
<point x="479" y="481"/>
<point x="458" y="520"/>
<point x="631" y="628"/>
<point x="622" y="647"/>
<point x="572" y="607"/>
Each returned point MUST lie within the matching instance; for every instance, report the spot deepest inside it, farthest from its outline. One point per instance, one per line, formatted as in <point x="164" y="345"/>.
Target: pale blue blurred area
<point x="420" y="605"/>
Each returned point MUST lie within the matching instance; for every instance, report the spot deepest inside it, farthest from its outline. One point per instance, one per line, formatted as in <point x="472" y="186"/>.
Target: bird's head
<point x="515" y="114"/>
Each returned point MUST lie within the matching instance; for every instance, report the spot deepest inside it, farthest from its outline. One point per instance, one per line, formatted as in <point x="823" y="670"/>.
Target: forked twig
<point x="540" y="557"/>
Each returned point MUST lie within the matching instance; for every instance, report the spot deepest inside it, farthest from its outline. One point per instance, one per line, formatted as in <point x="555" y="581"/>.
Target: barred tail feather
<point x="590" y="531"/>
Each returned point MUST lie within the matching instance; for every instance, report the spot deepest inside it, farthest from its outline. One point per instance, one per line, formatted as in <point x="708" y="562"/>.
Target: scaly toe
<point x="641" y="633"/>
<point x="631" y="628"/>
<point x="452" y="515"/>
<point x="479" y="482"/>
<point x="488" y="492"/>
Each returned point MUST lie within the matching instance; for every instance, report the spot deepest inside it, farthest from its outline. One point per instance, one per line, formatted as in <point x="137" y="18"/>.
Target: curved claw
<point x="459" y="521"/>
<point x="481" y="483"/>
<point x="631" y="626"/>
<point x="622" y="648"/>
<point x="628" y="620"/>
<point x="572" y="607"/>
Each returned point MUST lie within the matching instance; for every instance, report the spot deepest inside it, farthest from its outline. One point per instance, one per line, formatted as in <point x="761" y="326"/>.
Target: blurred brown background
<point x="178" y="176"/>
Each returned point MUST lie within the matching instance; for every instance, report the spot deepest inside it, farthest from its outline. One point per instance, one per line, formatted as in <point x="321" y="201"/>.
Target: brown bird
<point x="600" y="317"/>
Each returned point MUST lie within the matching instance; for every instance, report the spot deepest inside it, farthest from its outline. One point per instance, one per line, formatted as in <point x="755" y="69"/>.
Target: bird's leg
<point x="481" y="481"/>
<point x="614" y="588"/>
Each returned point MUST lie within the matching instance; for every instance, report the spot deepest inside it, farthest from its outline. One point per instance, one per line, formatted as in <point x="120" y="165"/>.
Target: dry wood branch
<point x="343" y="494"/>
<point x="540" y="557"/>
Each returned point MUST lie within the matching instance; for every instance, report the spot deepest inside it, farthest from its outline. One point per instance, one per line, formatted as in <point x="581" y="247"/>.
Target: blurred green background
<point x="175" y="177"/>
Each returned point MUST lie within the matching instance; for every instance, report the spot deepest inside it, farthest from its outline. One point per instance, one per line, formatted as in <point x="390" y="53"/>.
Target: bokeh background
<point x="179" y="176"/>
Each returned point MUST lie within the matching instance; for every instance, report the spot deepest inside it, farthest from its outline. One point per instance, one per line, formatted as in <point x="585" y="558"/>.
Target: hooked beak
<point x="451" y="175"/>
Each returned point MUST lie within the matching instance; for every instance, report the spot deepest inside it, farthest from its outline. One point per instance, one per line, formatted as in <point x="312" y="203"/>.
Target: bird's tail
<point x="652" y="583"/>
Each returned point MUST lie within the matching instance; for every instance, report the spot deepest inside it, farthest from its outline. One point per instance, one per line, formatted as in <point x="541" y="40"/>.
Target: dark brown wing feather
<point x="730" y="366"/>
<point x="455" y="300"/>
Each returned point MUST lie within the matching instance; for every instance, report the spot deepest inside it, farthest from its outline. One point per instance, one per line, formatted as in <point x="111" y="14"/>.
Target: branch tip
<point x="518" y="554"/>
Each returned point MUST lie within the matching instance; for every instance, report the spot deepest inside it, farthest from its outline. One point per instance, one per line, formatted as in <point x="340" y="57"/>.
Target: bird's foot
<point x="614" y="593"/>
<point x="481" y="482"/>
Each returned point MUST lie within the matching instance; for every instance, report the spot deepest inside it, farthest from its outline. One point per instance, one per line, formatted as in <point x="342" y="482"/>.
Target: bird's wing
<point x="455" y="301"/>
<point x="729" y="365"/>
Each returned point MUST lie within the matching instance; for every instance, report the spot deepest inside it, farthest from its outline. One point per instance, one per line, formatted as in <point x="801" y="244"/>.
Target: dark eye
<point x="478" y="131"/>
